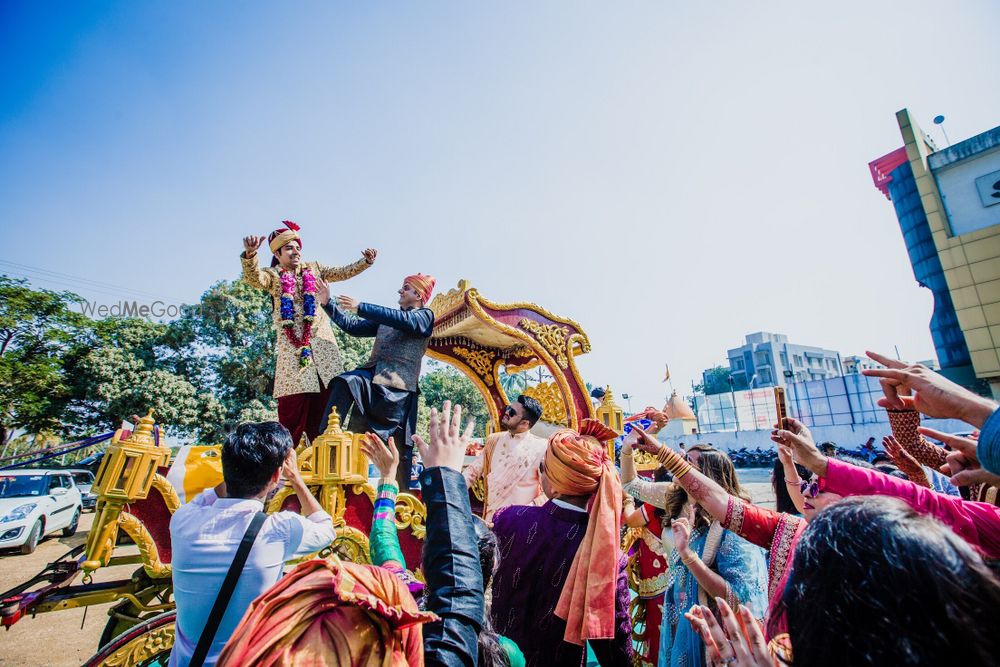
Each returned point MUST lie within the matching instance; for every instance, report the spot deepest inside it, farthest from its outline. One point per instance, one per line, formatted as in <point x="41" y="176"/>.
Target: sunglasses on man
<point x="509" y="411"/>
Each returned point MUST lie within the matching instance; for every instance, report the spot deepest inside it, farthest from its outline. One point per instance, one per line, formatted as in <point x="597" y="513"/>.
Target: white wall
<point x="848" y="437"/>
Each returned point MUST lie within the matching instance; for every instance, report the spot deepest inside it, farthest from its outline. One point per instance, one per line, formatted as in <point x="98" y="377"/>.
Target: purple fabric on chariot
<point x="537" y="546"/>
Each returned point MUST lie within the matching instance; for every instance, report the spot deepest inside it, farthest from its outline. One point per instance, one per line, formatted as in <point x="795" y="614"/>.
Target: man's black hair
<point x="532" y="408"/>
<point x="250" y="456"/>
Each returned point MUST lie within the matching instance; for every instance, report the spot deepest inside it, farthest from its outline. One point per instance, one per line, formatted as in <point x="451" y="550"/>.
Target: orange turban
<point x="423" y="284"/>
<point x="330" y="613"/>
<point x="577" y="464"/>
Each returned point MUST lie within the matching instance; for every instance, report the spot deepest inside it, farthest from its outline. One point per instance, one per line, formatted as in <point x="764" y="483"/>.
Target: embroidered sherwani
<point x="511" y="467"/>
<point x="537" y="546"/>
<point x="289" y="376"/>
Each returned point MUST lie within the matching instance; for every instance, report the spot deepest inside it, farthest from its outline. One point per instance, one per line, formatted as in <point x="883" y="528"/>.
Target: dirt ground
<point x="54" y="639"/>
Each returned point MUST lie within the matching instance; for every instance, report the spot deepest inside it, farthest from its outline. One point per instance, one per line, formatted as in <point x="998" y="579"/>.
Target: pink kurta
<point x="513" y="477"/>
<point x="976" y="523"/>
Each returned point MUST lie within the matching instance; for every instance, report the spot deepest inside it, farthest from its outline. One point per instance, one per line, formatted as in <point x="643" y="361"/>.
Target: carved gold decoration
<point x="445" y="302"/>
<point x="644" y="460"/>
<point x="479" y="488"/>
<point x="479" y="360"/>
<point x="609" y="413"/>
<point x="412" y="514"/>
<point x="127" y="473"/>
<point x="168" y="492"/>
<point x="552" y="337"/>
<point x="337" y="456"/>
<point x="144" y="647"/>
<point x="278" y="499"/>
<point x="366" y="489"/>
<point x="553" y="405"/>
<point x="147" y="547"/>
<point x="352" y="545"/>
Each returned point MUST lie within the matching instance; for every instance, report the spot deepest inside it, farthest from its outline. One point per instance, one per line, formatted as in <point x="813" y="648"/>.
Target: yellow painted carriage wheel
<point x="145" y="645"/>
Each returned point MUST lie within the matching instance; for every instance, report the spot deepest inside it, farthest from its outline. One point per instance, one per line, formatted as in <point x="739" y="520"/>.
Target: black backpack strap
<point x="226" y="591"/>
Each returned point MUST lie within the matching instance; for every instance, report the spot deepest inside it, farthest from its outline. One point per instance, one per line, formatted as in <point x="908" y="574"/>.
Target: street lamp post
<point x="628" y="397"/>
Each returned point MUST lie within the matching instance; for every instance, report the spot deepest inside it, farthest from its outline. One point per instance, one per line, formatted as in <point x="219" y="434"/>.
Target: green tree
<point x="443" y="383"/>
<point x="126" y="366"/>
<point x="234" y="333"/>
<point x="513" y="384"/>
<point x="37" y="327"/>
<point x="715" y="380"/>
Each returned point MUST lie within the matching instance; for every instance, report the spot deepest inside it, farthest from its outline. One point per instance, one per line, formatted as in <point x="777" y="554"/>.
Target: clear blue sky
<point x="671" y="175"/>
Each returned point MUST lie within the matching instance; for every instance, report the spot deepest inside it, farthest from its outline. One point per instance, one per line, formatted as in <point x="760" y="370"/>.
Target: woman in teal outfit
<point x="707" y="561"/>
<point x="494" y="650"/>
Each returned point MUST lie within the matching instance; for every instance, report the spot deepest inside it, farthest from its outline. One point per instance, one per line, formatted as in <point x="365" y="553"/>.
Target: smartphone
<point x="781" y="406"/>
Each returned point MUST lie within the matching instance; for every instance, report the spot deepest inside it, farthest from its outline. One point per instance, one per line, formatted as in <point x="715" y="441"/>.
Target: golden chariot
<point x="475" y="335"/>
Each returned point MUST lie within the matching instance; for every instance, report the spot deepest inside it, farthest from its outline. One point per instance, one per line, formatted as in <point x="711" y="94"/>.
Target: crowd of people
<point x="574" y="557"/>
<point x="860" y="563"/>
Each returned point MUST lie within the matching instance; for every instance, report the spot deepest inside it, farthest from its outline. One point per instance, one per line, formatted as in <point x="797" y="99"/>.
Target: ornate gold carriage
<point x="479" y="337"/>
<point x="136" y="501"/>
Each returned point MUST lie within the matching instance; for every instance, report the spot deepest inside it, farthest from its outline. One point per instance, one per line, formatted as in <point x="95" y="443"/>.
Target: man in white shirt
<point x="508" y="464"/>
<point x="206" y="532"/>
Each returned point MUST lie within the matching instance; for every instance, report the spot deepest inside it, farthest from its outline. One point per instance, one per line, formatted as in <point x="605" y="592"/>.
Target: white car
<point x="34" y="503"/>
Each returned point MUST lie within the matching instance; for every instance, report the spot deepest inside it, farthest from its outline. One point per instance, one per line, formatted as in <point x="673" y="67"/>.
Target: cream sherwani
<point x="512" y="476"/>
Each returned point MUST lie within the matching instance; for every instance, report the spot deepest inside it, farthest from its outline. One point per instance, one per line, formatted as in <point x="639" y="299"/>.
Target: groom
<point x="383" y="392"/>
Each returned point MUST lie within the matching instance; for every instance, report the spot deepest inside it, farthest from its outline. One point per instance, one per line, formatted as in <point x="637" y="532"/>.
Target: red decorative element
<point x="154" y="514"/>
<point x="291" y="225"/>
<point x="881" y="169"/>
<point x="596" y="429"/>
<point x="306" y="335"/>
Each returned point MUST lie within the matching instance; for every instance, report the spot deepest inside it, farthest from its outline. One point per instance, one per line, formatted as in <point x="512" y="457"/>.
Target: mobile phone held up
<point x="781" y="407"/>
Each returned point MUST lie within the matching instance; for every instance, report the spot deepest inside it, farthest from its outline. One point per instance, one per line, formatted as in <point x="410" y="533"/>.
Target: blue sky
<point x="671" y="175"/>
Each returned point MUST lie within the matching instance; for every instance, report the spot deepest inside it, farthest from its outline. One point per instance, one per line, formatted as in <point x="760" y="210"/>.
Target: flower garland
<point x="308" y="312"/>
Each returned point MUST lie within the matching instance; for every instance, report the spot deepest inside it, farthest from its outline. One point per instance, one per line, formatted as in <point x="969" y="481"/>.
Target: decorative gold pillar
<point x="337" y="462"/>
<point x="126" y="475"/>
<point x="610" y="414"/>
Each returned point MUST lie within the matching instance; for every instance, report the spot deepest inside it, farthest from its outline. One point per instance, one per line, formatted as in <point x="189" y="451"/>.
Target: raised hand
<point x="797" y="437"/>
<point x="682" y="537"/>
<point x="322" y="291"/>
<point x="385" y="456"/>
<point x="448" y="442"/>
<point x="348" y="303"/>
<point x="905" y="461"/>
<point x="962" y="462"/>
<point x="290" y="467"/>
<point x="933" y="394"/>
<point x="645" y="441"/>
<point x="369" y="254"/>
<point x="739" y="642"/>
<point x="251" y="243"/>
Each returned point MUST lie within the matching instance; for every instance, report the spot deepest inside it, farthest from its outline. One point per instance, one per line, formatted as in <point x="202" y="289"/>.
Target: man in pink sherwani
<point x="508" y="464"/>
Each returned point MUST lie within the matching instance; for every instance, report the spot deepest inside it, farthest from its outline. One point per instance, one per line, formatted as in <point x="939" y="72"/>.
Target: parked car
<point x="35" y="503"/>
<point x="84" y="479"/>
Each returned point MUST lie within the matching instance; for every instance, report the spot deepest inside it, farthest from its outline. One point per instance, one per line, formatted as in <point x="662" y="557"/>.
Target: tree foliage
<point x="37" y="327"/>
<point x="715" y="380"/>
<point x="444" y="383"/>
<point x="66" y="374"/>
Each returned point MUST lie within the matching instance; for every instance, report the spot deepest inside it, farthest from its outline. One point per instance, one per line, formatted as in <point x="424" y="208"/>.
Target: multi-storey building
<point x="948" y="205"/>
<point x="769" y="360"/>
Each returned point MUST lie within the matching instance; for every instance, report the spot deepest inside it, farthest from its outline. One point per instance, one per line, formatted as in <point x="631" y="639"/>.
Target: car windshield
<point x="13" y="486"/>
<point x="83" y="478"/>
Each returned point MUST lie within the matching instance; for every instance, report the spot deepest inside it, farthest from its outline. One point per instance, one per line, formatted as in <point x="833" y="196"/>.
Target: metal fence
<point x="850" y="399"/>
